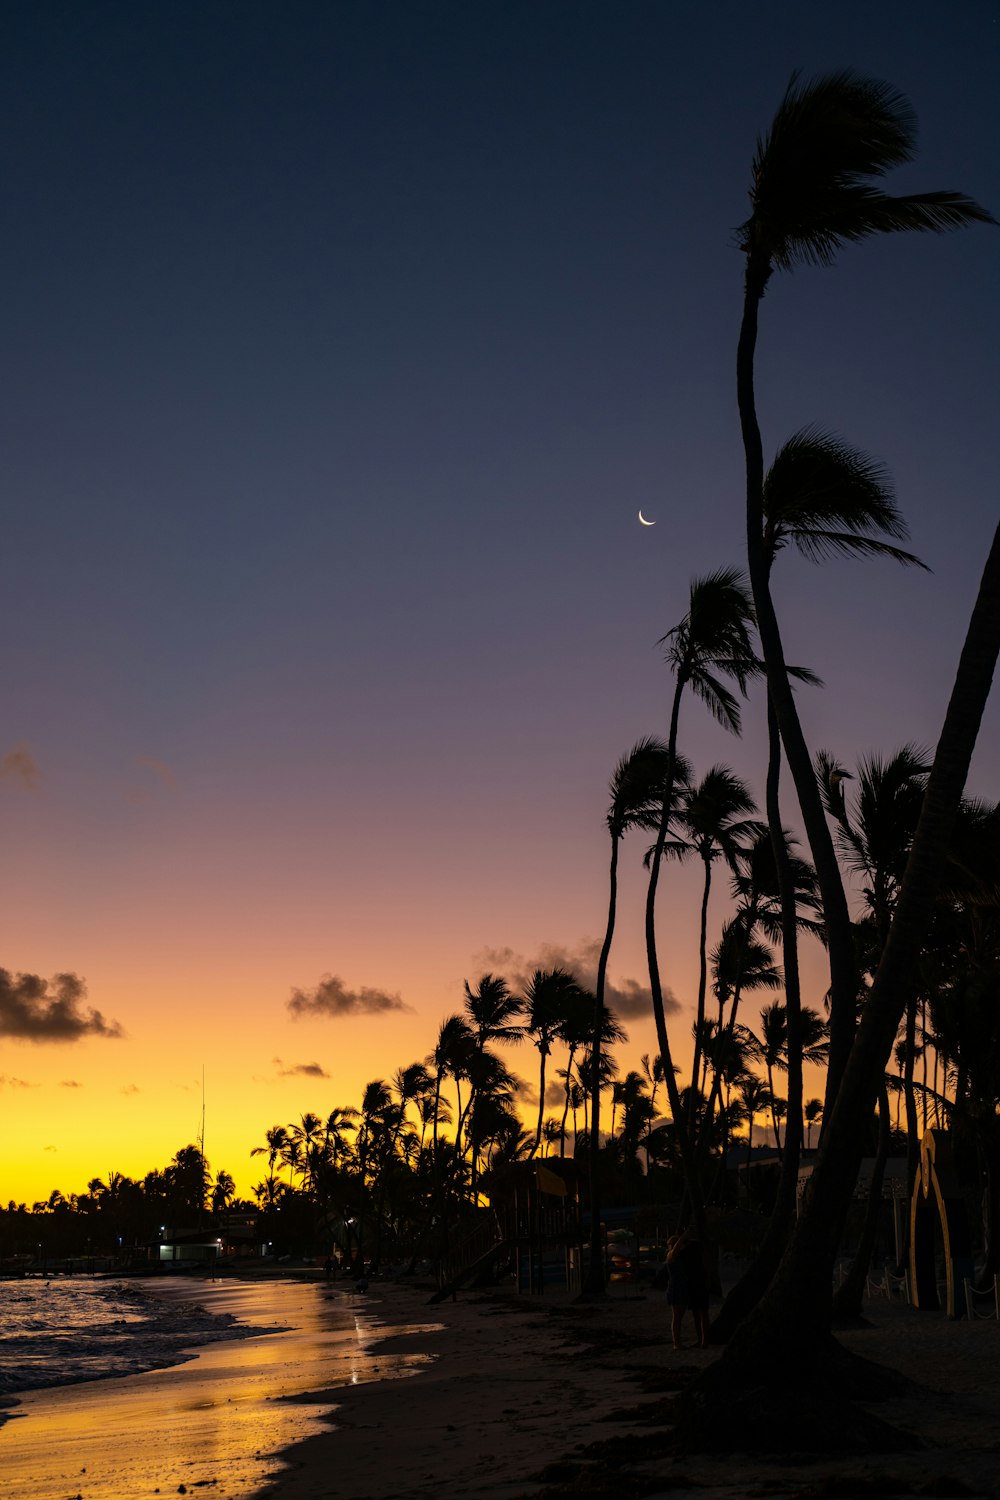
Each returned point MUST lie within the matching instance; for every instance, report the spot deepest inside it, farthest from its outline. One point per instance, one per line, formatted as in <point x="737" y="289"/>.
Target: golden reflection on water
<point x="223" y="1416"/>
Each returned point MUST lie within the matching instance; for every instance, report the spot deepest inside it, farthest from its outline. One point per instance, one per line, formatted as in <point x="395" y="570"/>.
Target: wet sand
<point x="213" y="1423"/>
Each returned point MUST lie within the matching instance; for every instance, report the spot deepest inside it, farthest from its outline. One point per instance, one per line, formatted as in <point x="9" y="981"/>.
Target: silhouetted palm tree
<point x="816" y="188"/>
<point x="492" y="1012"/>
<point x="548" y="999"/>
<point x="711" y="642"/>
<point x="712" y="819"/>
<point x="637" y="792"/>
<point x="812" y="1111"/>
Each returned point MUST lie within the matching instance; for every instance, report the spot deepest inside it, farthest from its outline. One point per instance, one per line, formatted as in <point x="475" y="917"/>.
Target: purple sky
<point x="342" y="344"/>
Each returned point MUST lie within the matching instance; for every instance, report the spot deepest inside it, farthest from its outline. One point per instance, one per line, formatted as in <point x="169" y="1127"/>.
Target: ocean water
<point x="70" y="1329"/>
<point x="273" y="1355"/>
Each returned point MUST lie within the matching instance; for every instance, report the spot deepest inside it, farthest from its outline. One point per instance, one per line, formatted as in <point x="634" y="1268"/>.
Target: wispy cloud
<point x="42" y="1010"/>
<point x="300" y="1070"/>
<point x="7" y="1082"/>
<point x="331" y="997"/>
<point x="19" y="765"/>
<point x="131" y="1088"/>
<point x="70" y="1083"/>
<point x="627" y="999"/>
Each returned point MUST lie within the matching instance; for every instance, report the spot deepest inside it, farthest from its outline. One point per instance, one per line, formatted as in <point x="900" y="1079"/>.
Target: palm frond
<point x="721" y="703"/>
<point x="814" y="173"/>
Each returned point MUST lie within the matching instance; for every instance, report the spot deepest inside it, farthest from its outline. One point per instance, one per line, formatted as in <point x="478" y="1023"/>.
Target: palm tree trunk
<point x="565" y="1113"/>
<point x="702" y="990"/>
<point x="595" y="1275"/>
<point x="543" y="1053"/>
<point x="689" y="1164"/>
<point x="790" y="1324"/>
<point x="751" y="1286"/>
<point x="840" y="942"/>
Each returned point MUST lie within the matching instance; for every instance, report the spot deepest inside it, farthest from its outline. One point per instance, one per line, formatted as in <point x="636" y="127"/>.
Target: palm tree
<point x="712" y="817"/>
<point x="812" y="1111"/>
<point x="308" y="1137"/>
<point x="277" y="1140"/>
<point x="816" y="188"/>
<point x="874" y="836"/>
<point x="755" y="1096"/>
<point x="578" y="1032"/>
<point x="492" y="1011"/>
<point x="455" y="1044"/>
<point x="825" y="499"/>
<point x="223" y="1192"/>
<point x="548" y="1000"/>
<point x="711" y="642"/>
<point x="637" y="793"/>
<point x="775" y="1045"/>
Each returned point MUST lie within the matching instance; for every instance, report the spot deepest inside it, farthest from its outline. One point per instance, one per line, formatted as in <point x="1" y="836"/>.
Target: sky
<point x="341" y="345"/>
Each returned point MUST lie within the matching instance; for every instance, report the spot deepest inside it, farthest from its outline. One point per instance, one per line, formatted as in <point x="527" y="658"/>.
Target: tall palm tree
<point x="308" y="1135"/>
<point x="774" y="1040"/>
<point x="712" y="818"/>
<point x="713" y="641"/>
<point x="817" y="187"/>
<point x="874" y="834"/>
<point x="548" y="999"/>
<point x="637" y="791"/>
<point x="455" y="1044"/>
<point x="338" y="1122"/>
<point x="577" y="1033"/>
<point x="826" y="499"/>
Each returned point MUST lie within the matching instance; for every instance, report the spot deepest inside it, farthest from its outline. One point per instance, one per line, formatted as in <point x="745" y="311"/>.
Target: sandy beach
<point x="503" y="1397"/>
<point x="522" y="1395"/>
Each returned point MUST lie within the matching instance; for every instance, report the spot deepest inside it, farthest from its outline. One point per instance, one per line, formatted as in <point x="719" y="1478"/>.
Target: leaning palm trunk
<point x="843" y="985"/>
<point x="791" y="1323"/>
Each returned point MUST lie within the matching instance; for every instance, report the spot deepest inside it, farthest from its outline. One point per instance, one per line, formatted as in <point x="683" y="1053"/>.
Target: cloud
<point x="131" y="1088"/>
<point x="159" y="768"/>
<point x="7" y="1082"/>
<point x="20" y="763"/>
<point x="50" y="1148"/>
<point x="301" y="1070"/>
<point x="628" y="999"/>
<point x="331" y="997"/>
<point x="70" y="1083"/>
<point x="43" y="1010"/>
<point x="555" y="1093"/>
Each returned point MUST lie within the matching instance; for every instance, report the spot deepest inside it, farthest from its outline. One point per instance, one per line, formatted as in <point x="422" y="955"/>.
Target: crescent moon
<point x="642" y="518"/>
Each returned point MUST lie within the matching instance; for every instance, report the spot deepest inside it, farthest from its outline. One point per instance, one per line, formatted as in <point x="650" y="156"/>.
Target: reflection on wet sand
<point x="220" y="1417"/>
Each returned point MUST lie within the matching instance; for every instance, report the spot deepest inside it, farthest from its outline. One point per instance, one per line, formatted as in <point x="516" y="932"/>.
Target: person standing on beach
<point x="677" y="1287"/>
<point x="687" y="1286"/>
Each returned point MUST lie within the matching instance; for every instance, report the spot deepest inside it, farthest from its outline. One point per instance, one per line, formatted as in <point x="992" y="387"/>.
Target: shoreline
<point x="218" y="1420"/>
<point x="546" y="1397"/>
<point x="510" y="1398"/>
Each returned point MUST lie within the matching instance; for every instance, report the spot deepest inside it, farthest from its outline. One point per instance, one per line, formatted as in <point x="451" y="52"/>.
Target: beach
<point x="215" y="1421"/>
<point x="545" y="1397"/>
<point x="493" y="1396"/>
